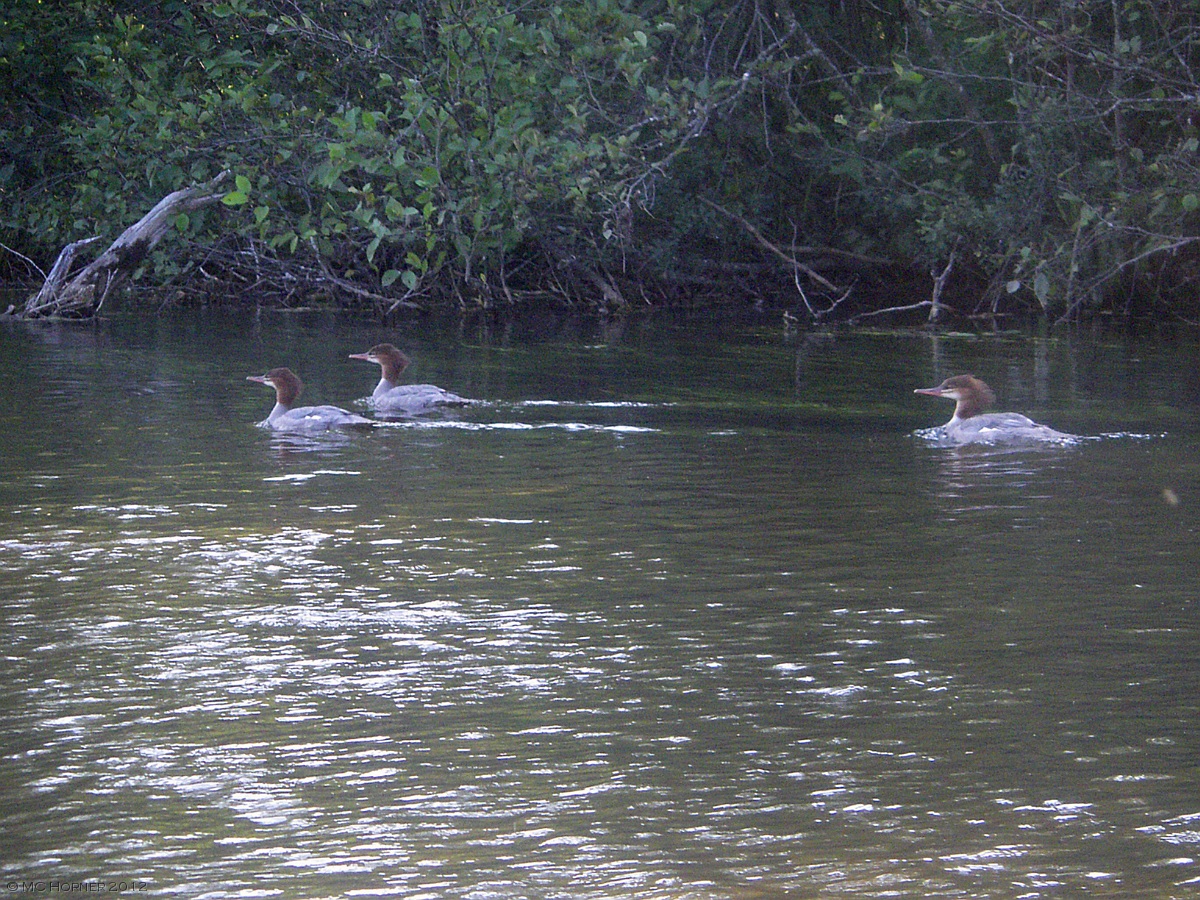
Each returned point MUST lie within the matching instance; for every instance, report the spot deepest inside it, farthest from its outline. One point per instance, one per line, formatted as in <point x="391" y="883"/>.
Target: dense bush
<point x="1020" y="155"/>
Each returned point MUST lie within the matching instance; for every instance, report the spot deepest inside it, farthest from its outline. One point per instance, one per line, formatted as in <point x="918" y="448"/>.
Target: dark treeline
<point x="1014" y="157"/>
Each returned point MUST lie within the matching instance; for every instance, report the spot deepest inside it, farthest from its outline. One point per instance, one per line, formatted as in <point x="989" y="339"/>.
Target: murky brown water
<point x="677" y="613"/>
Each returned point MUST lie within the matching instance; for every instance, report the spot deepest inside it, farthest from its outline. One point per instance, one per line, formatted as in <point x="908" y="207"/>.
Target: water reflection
<point x="977" y="477"/>
<point x="329" y="443"/>
<point x="716" y="642"/>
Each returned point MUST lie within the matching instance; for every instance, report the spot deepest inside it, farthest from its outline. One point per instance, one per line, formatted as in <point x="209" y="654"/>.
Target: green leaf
<point x="1041" y="286"/>
<point x="1190" y="202"/>
<point x="389" y="277"/>
<point x="234" y="198"/>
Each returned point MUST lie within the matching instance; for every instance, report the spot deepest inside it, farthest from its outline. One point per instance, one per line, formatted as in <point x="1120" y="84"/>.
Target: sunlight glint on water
<point x="699" y="644"/>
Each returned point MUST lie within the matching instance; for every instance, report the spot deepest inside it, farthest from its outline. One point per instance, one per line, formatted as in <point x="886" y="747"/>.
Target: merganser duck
<point x="302" y="418"/>
<point x="971" y="425"/>
<point x="403" y="399"/>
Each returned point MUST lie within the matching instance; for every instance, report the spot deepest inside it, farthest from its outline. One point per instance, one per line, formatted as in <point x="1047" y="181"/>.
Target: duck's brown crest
<point x="391" y="359"/>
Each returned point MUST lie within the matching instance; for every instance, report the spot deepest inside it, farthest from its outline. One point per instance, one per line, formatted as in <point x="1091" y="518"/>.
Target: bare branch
<point x="84" y="294"/>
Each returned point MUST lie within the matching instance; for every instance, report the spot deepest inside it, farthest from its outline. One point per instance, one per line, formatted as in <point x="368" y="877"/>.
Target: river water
<point x="680" y="610"/>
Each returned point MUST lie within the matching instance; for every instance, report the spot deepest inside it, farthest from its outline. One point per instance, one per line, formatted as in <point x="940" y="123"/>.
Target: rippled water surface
<point x="677" y="611"/>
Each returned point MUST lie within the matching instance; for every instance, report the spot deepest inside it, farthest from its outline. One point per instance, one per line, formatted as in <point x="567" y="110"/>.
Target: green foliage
<point x="496" y="131"/>
<point x="1044" y="147"/>
<point x="398" y="145"/>
<point x="476" y="150"/>
<point x="1049" y="142"/>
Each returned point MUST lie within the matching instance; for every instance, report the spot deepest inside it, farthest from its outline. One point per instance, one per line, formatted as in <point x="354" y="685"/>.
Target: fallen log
<point x="82" y="295"/>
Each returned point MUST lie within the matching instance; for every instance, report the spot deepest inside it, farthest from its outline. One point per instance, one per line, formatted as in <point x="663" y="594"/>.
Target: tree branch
<point x="84" y="294"/>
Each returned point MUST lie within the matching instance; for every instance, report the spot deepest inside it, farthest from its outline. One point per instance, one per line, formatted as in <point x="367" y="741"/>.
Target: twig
<point x="891" y="309"/>
<point x="351" y="288"/>
<point x="25" y="258"/>
<point x="790" y="260"/>
<point x="939" y="285"/>
<point x="810" y="251"/>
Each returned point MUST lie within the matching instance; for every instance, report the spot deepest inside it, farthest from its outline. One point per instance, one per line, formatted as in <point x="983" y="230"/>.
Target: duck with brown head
<point x="971" y="425"/>
<point x="395" y="399"/>
<point x="286" y="417"/>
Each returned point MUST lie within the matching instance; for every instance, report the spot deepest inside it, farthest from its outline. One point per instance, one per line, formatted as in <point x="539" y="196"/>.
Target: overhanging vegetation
<point x="980" y="157"/>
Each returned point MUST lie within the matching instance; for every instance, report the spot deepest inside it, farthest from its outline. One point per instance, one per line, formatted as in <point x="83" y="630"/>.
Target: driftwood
<point x="84" y="294"/>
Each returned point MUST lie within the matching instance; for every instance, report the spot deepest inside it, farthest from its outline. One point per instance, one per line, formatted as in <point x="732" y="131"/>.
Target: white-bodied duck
<point x="971" y="425"/>
<point x="286" y="417"/>
<point x="391" y="397"/>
